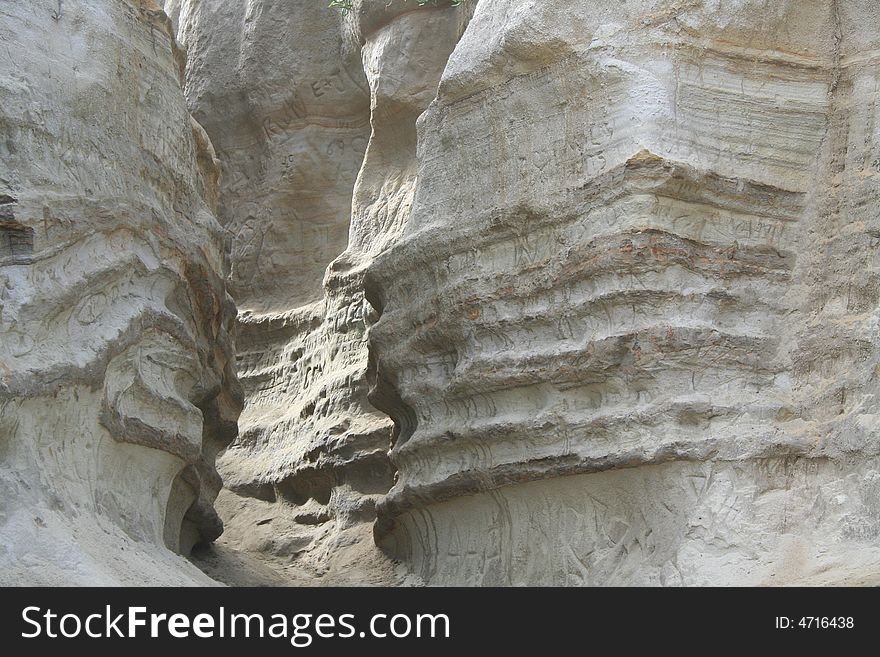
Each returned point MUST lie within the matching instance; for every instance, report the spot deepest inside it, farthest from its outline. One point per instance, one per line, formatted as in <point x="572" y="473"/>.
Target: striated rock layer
<point x="629" y="333"/>
<point x="601" y="276"/>
<point x="313" y="116"/>
<point x="117" y="384"/>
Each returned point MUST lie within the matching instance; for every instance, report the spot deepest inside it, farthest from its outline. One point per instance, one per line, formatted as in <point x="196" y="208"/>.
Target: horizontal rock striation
<point x="318" y="150"/>
<point x="283" y="97"/>
<point x="627" y="334"/>
<point x="529" y="292"/>
<point x="117" y="376"/>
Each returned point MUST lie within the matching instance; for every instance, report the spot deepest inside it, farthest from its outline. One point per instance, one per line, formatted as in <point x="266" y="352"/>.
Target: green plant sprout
<point x="346" y="5"/>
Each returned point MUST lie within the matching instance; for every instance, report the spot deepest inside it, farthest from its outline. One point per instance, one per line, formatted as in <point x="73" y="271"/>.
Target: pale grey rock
<point x="609" y="268"/>
<point x="280" y="88"/>
<point x="117" y="382"/>
<point x="283" y="98"/>
<point x="629" y="331"/>
<point x="305" y="105"/>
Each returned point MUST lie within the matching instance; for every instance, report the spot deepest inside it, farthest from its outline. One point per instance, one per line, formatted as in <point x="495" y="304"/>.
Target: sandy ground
<point x="263" y="546"/>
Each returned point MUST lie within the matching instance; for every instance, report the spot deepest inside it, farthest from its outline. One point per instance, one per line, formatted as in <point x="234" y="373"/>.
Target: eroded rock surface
<point x="630" y="330"/>
<point x="313" y="116"/>
<point x="530" y="292"/>
<point x="117" y="383"/>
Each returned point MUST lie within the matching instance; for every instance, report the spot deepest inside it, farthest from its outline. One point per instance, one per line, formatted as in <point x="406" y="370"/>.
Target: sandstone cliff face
<point x="318" y="152"/>
<point x="117" y="384"/>
<point x="624" y="269"/>
<point x="629" y="333"/>
<point x="529" y="292"/>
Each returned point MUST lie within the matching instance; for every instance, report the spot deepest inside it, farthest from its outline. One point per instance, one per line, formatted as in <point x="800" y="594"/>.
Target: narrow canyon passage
<point x="318" y="152"/>
<point x="590" y="233"/>
<point x="481" y="293"/>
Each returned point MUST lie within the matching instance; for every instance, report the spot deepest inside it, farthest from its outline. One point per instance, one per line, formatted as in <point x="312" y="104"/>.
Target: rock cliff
<point x="629" y="331"/>
<point x="528" y="292"/>
<point x="117" y="381"/>
<point x="318" y="151"/>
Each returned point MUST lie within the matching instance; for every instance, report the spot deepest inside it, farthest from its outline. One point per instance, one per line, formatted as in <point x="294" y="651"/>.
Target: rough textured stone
<point x="629" y="332"/>
<point x="117" y="384"/>
<point x="600" y="274"/>
<point x="312" y="458"/>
